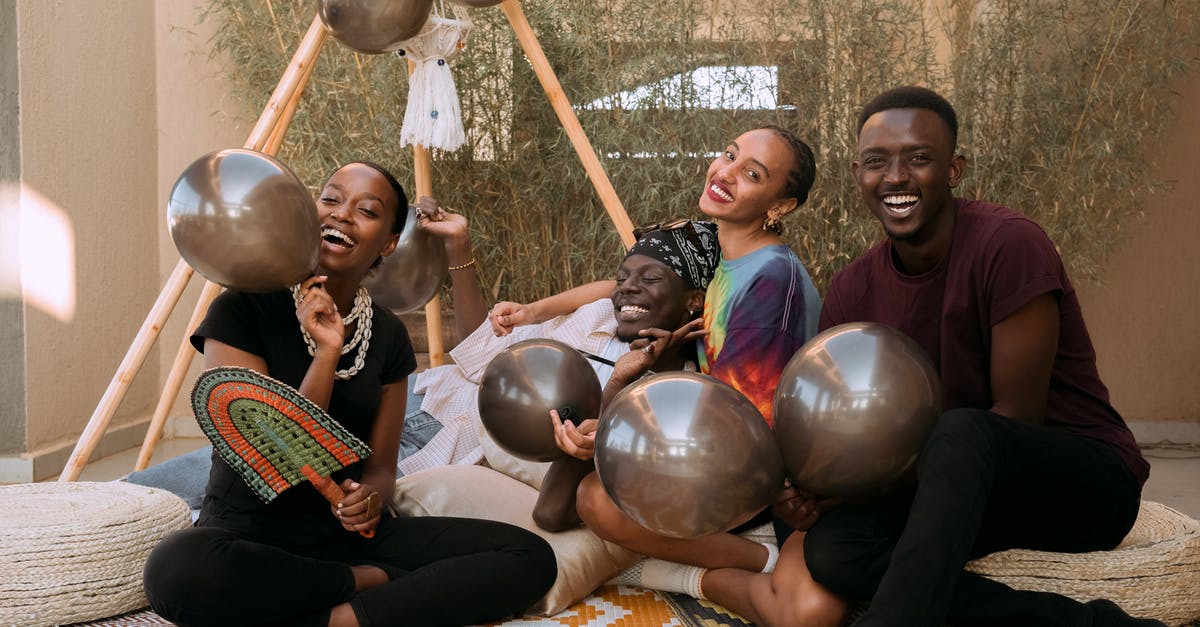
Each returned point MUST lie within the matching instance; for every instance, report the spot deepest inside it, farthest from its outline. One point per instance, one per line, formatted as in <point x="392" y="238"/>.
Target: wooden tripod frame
<point x="267" y="136"/>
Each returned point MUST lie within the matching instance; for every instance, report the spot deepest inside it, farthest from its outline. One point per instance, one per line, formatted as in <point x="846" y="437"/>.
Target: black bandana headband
<point x="688" y="247"/>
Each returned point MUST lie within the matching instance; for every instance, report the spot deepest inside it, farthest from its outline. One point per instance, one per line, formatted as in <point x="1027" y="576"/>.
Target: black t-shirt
<point x="266" y="325"/>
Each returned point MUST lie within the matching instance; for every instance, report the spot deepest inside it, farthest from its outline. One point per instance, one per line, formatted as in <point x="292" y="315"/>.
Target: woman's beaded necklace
<point x="362" y="333"/>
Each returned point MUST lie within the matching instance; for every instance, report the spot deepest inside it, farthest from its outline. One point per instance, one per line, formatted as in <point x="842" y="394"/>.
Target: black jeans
<point x="984" y="483"/>
<point x="444" y="571"/>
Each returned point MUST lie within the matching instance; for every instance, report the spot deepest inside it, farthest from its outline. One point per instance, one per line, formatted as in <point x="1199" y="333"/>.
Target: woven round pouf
<point x="1153" y="573"/>
<point x="73" y="552"/>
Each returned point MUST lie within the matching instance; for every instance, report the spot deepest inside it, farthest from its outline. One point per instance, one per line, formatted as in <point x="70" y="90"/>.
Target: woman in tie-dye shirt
<point x="760" y="308"/>
<point x="761" y="305"/>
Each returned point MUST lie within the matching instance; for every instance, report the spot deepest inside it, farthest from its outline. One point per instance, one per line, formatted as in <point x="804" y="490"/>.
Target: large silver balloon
<point x="520" y="386"/>
<point x="244" y="220"/>
<point x="412" y="274"/>
<point x="686" y="455"/>
<point x="853" y="409"/>
<point x="374" y="26"/>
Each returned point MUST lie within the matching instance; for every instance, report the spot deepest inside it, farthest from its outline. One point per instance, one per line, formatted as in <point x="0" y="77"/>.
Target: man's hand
<point x="578" y="442"/>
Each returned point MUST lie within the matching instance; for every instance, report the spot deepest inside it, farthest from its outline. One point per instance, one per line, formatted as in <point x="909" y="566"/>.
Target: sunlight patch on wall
<point x="37" y="260"/>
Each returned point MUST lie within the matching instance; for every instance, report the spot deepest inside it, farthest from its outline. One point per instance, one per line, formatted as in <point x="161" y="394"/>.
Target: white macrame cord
<point x="433" y="117"/>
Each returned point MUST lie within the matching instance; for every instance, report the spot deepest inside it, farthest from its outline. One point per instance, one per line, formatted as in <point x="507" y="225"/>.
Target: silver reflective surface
<point x="412" y="274"/>
<point x="521" y="385"/>
<point x="243" y="220"/>
<point x="686" y="455"/>
<point x="374" y="26"/>
<point x="853" y="408"/>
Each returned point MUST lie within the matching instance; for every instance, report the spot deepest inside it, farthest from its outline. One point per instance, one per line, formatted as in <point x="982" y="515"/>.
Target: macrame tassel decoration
<point x="433" y="118"/>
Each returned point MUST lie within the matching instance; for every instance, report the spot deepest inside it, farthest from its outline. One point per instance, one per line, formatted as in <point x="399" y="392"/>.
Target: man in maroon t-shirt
<point x="1029" y="453"/>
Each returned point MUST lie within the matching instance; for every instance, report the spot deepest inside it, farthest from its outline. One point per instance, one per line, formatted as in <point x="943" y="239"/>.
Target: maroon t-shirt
<point x="999" y="261"/>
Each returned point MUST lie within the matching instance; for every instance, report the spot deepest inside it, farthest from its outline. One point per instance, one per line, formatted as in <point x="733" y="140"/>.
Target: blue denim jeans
<point x="419" y="426"/>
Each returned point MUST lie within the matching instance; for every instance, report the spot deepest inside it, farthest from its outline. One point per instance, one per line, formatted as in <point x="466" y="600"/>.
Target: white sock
<point x="631" y="576"/>
<point x="656" y="574"/>
<point x="772" y="557"/>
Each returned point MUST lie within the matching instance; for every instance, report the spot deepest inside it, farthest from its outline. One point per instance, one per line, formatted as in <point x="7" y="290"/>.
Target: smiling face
<point x="650" y="295"/>
<point x="357" y="209"/>
<point x="747" y="181"/>
<point x="906" y="169"/>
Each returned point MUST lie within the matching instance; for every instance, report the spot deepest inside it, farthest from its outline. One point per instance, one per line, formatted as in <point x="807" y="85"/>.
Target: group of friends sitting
<point x="1029" y="452"/>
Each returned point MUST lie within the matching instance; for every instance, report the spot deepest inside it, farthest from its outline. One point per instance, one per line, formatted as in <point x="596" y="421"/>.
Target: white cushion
<point x="584" y="560"/>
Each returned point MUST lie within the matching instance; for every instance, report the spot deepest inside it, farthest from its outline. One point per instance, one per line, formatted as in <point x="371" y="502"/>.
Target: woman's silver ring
<point x="649" y="348"/>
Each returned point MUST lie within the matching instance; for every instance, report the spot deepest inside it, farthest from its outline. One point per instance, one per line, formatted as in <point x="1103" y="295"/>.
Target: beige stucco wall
<point x="196" y="115"/>
<point x="1145" y="314"/>
<point x="88" y="145"/>
<point x="112" y="100"/>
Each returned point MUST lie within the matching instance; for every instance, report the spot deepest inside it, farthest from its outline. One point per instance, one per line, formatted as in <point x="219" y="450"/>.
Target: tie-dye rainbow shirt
<point x="758" y="310"/>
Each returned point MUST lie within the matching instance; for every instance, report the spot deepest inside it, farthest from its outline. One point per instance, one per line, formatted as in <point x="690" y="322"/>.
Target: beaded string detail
<point x="362" y="333"/>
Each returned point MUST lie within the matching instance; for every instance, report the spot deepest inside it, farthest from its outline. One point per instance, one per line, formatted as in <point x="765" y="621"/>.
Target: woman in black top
<point x="299" y="560"/>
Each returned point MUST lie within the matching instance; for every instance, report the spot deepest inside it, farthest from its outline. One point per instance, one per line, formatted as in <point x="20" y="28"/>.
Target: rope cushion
<point x="1153" y="573"/>
<point x="72" y="552"/>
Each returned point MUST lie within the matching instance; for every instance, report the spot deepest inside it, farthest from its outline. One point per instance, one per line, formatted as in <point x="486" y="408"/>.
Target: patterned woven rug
<point x="699" y="613"/>
<point x="610" y="606"/>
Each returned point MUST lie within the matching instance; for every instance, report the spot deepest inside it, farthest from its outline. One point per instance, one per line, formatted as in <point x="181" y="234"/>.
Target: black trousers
<point x="444" y="571"/>
<point x="984" y="483"/>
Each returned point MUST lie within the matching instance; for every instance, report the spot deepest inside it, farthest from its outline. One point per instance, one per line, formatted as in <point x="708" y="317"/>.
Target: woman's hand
<point x="444" y="223"/>
<point x="506" y="315"/>
<point x="578" y="442"/>
<point x="361" y="508"/>
<point x="319" y="316"/>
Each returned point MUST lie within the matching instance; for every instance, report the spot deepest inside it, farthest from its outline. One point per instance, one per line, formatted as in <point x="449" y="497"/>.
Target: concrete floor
<point x="1174" y="478"/>
<point x="1174" y="474"/>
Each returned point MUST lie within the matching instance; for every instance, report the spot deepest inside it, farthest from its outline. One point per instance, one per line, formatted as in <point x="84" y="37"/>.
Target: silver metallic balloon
<point x="244" y="220"/>
<point x="853" y="409"/>
<point x="412" y="274"/>
<point x="686" y="455"/>
<point x="374" y="26"/>
<point x="520" y="386"/>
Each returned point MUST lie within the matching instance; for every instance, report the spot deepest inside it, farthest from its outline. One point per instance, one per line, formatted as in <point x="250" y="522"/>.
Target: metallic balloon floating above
<point x="243" y="220"/>
<point x="412" y="274"/>
<point x="520" y="386"/>
<point x="374" y="26"/>
<point x="686" y="455"/>
<point x="853" y="409"/>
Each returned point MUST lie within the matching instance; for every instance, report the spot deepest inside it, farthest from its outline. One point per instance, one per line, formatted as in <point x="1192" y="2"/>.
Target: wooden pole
<point x="185" y="354"/>
<point x="423" y="176"/>
<point x="297" y="71"/>
<point x="135" y="357"/>
<point x="130" y="365"/>
<point x="568" y="119"/>
<point x="174" y="382"/>
<point x="275" y="141"/>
